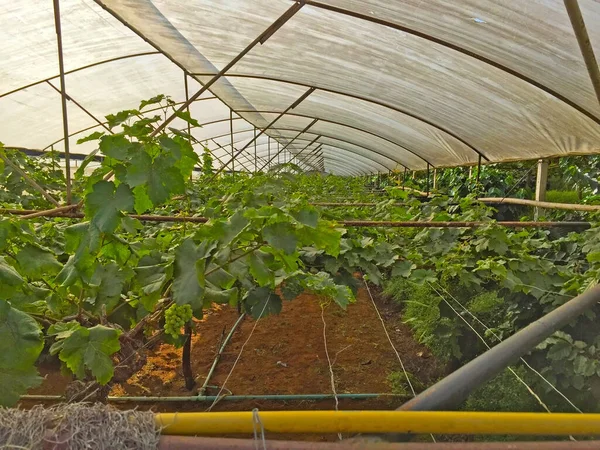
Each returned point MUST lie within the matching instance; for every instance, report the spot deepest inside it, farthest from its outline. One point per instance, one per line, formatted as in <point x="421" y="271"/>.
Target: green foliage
<point x="562" y="196"/>
<point x="20" y="344"/>
<point x="503" y="393"/>
<point x="400" y="385"/>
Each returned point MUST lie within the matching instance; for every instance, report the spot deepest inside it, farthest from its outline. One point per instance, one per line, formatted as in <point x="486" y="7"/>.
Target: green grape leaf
<point x="8" y="275"/>
<point x="115" y="146"/>
<point x="403" y="269"/>
<point x="16" y="382"/>
<point x="421" y="276"/>
<point x="261" y="302"/>
<point x="307" y="216"/>
<point x="142" y="202"/>
<point x="91" y="348"/>
<point x="152" y="101"/>
<point x="233" y="227"/>
<point x="229" y="296"/>
<point x="151" y="274"/>
<point x="292" y="287"/>
<point x="282" y="236"/>
<point x="111" y="279"/>
<point x="21" y="343"/>
<point x="91" y="137"/>
<point x="120" y="117"/>
<point x="257" y="262"/>
<point x="104" y="205"/>
<point x="343" y="296"/>
<point x="159" y="177"/>
<point x="184" y="115"/>
<point x="188" y="281"/>
<point x="35" y="262"/>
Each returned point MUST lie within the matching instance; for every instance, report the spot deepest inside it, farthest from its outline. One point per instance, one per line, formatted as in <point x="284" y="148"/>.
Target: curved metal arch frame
<point x="333" y="147"/>
<point x="152" y="53"/>
<point x="77" y="69"/>
<point x="357" y="97"/>
<point x="347" y="126"/>
<point x="329" y="137"/>
<point x="457" y="48"/>
<point x="330" y="147"/>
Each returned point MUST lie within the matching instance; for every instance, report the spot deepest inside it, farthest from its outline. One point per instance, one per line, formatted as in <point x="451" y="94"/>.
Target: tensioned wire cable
<point x="539" y="400"/>
<point x="412" y="389"/>
<point x="500" y="340"/>
<point x="239" y="355"/>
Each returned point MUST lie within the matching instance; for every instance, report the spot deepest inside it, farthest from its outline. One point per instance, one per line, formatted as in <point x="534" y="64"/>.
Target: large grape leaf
<point x="111" y="279"/>
<point x="91" y="348"/>
<point x="262" y="301"/>
<point x="105" y="203"/>
<point x="257" y="262"/>
<point x="35" y="262"/>
<point x="188" y="281"/>
<point x="159" y="178"/>
<point x="281" y="235"/>
<point x="20" y="345"/>
<point x="114" y="145"/>
<point x="16" y="382"/>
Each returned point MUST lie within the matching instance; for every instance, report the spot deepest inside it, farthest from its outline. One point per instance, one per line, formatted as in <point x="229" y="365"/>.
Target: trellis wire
<point x="531" y="391"/>
<point x="412" y="389"/>
<point x="239" y="355"/>
<point x="329" y="362"/>
<point x="522" y="359"/>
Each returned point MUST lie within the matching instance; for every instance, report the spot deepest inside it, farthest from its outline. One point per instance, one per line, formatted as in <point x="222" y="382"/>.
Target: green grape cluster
<point x="176" y="317"/>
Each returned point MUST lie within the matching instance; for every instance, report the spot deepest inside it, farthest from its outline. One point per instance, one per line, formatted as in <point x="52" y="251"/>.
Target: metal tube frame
<point x="63" y="95"/>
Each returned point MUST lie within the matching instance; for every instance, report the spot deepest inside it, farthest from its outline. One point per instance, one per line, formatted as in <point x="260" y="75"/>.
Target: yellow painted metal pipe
<point x="415" y="422"/>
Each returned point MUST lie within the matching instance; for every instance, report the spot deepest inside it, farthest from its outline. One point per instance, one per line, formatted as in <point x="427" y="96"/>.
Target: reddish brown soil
<point x="285" y="355"/>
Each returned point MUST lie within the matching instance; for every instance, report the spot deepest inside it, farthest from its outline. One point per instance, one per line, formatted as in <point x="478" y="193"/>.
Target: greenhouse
<point x="299" y="224"/>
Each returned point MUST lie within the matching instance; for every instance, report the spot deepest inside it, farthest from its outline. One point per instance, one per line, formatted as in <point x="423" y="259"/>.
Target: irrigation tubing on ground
<point x="212" y="398"/>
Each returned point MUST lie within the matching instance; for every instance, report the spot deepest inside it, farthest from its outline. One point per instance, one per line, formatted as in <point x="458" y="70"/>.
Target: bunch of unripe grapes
<point x="176" y="317"/>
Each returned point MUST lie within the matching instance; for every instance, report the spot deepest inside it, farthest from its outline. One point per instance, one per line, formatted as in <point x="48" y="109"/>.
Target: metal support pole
<point x="63" y="94"/>
<point x="583" y="39"/>
<point x="231" y="142"/>
<point x="292" y="106"/>
<point x="295" y="137"/>
<point x="300" y="152"/>
<point x="261" y="39"/>
<point x="540" y="186"/>
<point x="427" y="183"/>
<point x="456" y="387"/>
<point x="434" y="179"/>
<point x="225" y="150"/>
<point x="268" y="152"/>
<point x="478" y="170"/>
<point x="404" y="178"/>
<point x="255" y="158"/>
<point x="313" y="156"/>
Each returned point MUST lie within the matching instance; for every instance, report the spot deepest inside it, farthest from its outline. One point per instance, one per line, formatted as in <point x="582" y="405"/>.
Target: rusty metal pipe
<point x="188" y="443"/>
<point x="456" y="387"/>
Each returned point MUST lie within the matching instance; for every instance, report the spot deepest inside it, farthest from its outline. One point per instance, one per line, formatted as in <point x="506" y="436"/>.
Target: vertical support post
<point x="231" y="141"/>
<point x="540" y="186"/>
<point x="583" y="39"/>
<point x="63" y="95"/>
<point x="427" y="182"/>
<point x="478" y="170"/>
<point x="404" y="178"/>
<point x="268" y="152"/>
<point x="434" y="179"/>
<point x="255" y="159"/>
<point x="189" y="127"/>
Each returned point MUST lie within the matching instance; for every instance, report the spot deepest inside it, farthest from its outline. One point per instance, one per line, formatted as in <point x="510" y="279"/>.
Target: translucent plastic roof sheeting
<point x="399" y="83"/>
